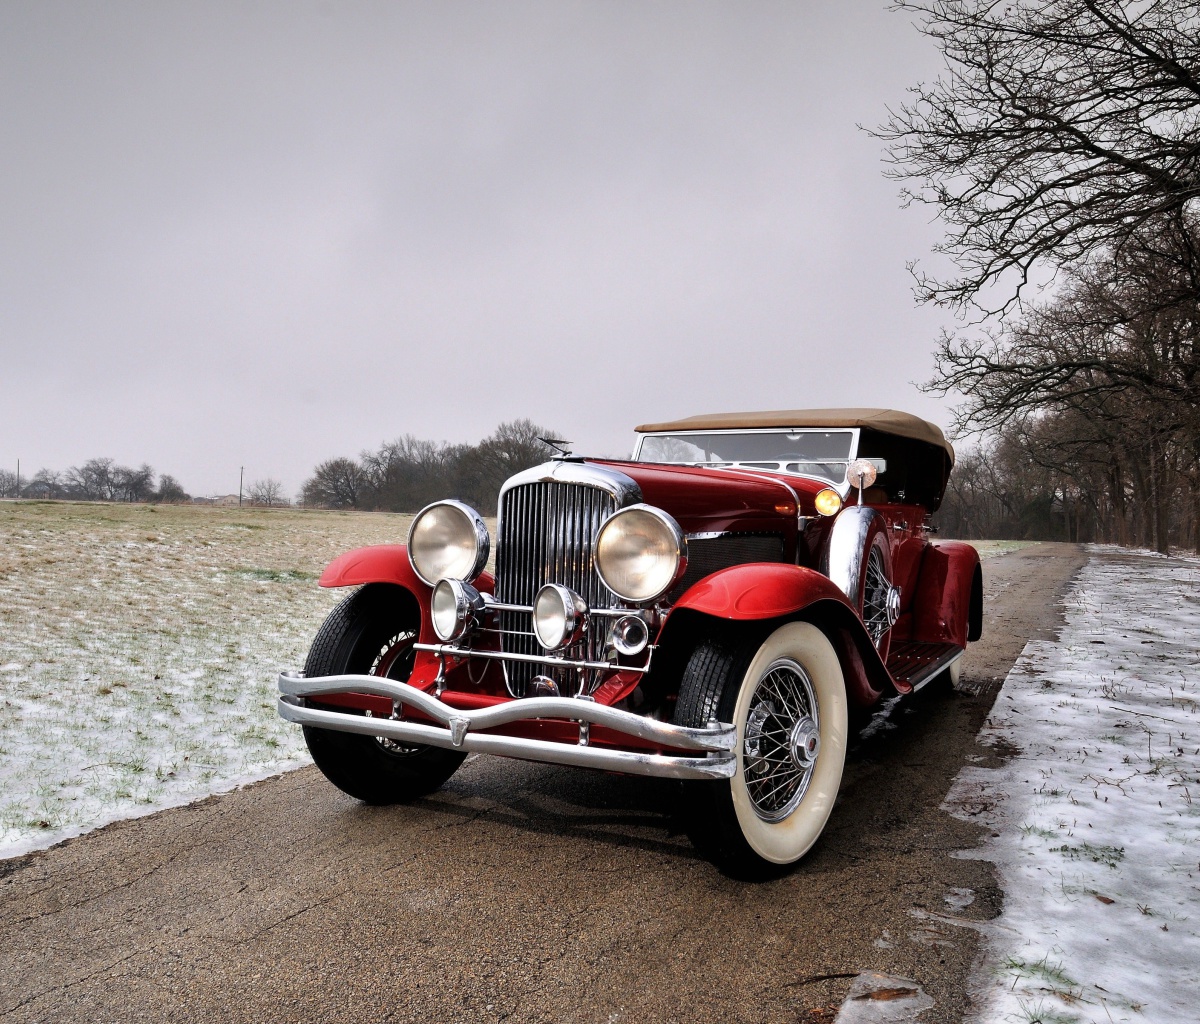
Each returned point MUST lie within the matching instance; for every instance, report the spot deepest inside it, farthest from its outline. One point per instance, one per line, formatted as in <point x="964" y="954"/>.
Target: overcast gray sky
<point x="265" y="234"/>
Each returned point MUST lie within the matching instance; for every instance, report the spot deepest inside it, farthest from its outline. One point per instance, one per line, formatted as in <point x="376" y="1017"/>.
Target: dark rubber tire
<point x="373" y="629"/>
<point x="719" y="683"/>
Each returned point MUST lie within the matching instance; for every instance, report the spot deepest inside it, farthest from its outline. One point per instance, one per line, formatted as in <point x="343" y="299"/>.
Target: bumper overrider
<point x="708" y="752"/>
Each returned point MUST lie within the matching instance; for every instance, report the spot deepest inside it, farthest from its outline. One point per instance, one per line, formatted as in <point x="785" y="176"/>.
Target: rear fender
<point x="948" y="606"/>
<point x="763" y="592"/>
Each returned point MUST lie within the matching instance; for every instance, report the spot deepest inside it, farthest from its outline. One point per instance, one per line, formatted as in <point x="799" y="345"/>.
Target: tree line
<point x="408" y="473"/>
<point x="95" y="480"/>
<point x="1060" y="149"/>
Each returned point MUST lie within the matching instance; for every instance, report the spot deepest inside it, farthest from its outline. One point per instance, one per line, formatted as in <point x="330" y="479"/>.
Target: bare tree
<point x="133" y="484"/>
<point x="93" y="481"/>
<point x="336" y="483"/>
<point x="46" y="483"/>
<point x="512" y="447"/>
<point x="1059" y="130"/>
<point x="170" y="491"/>
<point x="267" y="492"/>
<point x="8" y="484"/>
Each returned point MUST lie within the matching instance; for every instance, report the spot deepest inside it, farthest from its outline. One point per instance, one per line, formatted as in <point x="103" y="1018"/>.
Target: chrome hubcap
<point x="782" y="740"/>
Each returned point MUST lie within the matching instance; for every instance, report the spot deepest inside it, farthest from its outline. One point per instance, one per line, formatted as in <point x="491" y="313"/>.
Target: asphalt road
<point x="522" y="892"/>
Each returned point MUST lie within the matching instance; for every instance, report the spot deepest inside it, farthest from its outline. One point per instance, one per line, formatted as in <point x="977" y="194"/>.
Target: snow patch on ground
<point x="139" y="648"/>
<point x="1097" y="815"/>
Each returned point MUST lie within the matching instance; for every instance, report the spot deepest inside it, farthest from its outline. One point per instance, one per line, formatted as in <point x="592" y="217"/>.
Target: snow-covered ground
<point x="1097" y="814"/>
<point x="139" y="647"/>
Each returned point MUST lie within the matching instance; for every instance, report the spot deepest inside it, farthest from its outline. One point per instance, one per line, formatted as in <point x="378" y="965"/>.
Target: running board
<point x="919" y="663"/>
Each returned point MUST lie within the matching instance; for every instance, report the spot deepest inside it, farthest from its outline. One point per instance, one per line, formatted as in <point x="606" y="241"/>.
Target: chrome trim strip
<point x="714" y="766"/>
<point x="715" y="736"/>
<point x="450" y="651"/>
<point x="609" y="613"/>
<point x="934" y="669"/>
<point x="623" y="489"/>
<point x="716" y="742"/>
<point x="843" y="558"/>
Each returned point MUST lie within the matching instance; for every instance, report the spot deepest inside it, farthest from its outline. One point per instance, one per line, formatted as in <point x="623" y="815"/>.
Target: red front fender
<point x="770" y="590"/>
<point x="760" y="590"/>
<point x="385" y="563"/>
<point x="381" y="563"/>
<point x="388" y="563"/>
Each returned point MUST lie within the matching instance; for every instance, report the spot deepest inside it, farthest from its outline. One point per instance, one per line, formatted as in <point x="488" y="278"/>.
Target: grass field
<point x="139" y="647"/>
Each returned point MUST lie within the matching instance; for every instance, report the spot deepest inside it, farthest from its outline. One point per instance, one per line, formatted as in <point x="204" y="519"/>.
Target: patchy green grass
<point x="139" y="647"/>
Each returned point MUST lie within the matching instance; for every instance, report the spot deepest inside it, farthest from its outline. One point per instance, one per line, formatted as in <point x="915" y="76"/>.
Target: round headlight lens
<point x="559" y="617"/>
<point x="448" y="540"/>
<point x="449" y="610"/>
<point x="828" y="501"/>
<point x="640" y="553"/>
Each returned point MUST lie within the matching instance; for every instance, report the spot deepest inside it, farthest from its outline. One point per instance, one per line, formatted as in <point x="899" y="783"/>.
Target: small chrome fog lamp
<point x="456" y="609"/>
<point x="630" y="634"/>
<point x="560" y="617"/>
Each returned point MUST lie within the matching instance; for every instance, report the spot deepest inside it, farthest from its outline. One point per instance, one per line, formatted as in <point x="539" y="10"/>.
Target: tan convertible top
<point x="887" y="421"/>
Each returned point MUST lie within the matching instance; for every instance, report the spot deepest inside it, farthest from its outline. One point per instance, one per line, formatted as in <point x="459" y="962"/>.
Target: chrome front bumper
<point x="463" y="730"/>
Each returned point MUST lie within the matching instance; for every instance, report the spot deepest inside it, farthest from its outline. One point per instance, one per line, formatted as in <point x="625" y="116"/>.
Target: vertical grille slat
<point x="547" y="534"/>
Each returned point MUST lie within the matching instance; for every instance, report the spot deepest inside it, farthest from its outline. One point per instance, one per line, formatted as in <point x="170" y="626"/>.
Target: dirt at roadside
<point x="523" y="892"/>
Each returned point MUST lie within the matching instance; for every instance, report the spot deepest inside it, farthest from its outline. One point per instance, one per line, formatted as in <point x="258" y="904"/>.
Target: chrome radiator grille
<point x="547" y="534"/>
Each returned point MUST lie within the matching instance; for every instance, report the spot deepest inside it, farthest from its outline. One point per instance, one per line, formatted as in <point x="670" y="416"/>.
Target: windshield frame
<point x="756" y="466"/>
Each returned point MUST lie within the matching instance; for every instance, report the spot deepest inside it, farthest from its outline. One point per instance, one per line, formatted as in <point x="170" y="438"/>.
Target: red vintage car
<point x="720" y="609"/>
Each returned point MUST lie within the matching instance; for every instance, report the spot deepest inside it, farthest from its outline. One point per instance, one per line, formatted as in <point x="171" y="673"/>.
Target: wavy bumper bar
<point x="463" y="730"/>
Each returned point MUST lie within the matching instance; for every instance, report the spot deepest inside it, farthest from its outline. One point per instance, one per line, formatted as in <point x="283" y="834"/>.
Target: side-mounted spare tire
<point x="372" y="632"/>
<point x="787" y="698"/>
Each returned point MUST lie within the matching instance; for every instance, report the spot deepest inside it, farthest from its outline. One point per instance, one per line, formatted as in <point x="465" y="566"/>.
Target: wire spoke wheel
<point x="782" y="740"/>
<point x="373" y="632"/>
<point x="786" y="696"/>
<point x="395" y="660"/>
<point x="880" y="599"/>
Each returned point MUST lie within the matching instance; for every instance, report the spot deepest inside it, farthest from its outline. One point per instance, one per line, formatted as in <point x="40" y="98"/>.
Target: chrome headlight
<point x="456" y="609"/>
<point x="448" y="539"/>
<point x="560" y="617"/>
<point x="640" y="553"/>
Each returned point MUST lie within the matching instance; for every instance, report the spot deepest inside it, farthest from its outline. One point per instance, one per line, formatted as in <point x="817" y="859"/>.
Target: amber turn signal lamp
<point x="828" y="501"/>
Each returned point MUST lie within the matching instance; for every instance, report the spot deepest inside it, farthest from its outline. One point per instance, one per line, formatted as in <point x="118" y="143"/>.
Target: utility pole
<point x="241" y="477"/>
<point x="18" y="494"/>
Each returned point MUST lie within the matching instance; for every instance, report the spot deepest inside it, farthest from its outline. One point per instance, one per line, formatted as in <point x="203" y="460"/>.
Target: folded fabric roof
<point x="887" y="421"/>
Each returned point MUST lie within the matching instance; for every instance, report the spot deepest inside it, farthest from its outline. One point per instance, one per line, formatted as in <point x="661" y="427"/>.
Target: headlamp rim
<point x="575" y="616"/>
<point x="483" y="539"/>
<point x="469" y="608"/>
<point x="677" y="534"/>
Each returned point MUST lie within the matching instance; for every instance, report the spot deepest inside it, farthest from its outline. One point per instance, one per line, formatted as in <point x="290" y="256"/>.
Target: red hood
<point x="709" y="500"/>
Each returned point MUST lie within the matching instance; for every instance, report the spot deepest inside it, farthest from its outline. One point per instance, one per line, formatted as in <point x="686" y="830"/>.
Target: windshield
<point x="819" y="453"/>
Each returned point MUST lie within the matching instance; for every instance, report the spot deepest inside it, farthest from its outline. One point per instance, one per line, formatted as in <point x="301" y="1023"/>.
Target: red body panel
<point x="941" y="610"/>
<point x="760" y="590"/>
